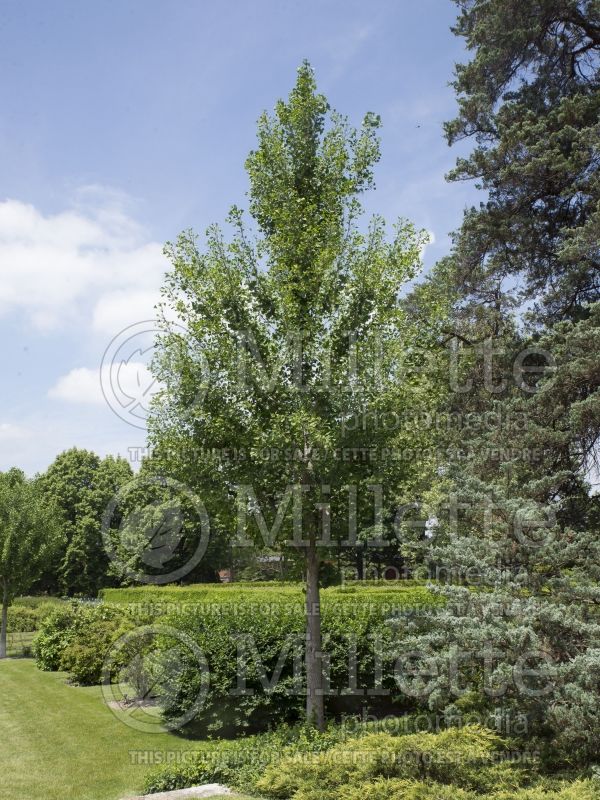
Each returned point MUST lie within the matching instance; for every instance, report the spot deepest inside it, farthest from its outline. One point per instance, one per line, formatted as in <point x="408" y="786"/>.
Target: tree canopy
<point x="30" y="535"/>
<point x="530" y="100"/>
<point x="299" y="345"/>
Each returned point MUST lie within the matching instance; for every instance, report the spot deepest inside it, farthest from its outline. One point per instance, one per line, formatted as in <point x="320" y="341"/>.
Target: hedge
<point x="405" y="595"/>
<point x="253" y="646"/>
<point x="252" y="638"/>
<point x="25" y="616"/>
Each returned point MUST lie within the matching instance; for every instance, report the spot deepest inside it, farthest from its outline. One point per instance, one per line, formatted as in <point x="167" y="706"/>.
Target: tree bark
<point x="4" y="624"/>
<point x="315" y="701"/>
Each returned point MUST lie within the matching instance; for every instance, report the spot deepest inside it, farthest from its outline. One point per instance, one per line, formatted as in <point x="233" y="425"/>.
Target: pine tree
<point x="516" y="534"/>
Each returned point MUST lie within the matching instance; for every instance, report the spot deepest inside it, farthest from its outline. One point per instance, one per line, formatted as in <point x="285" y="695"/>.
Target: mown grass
<point x="61" y="742"/>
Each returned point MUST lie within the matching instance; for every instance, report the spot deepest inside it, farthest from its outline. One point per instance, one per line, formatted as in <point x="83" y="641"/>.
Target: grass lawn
<point x="60" y="742"/>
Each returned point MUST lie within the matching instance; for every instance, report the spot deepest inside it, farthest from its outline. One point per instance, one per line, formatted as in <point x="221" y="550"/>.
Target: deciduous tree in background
<point x="81" y="485"/>
<point x="30" y="535"/>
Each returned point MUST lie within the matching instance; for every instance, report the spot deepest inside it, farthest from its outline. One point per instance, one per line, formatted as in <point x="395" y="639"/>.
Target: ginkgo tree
<point x="297" y="345"/>
<point x="30" y="534"/>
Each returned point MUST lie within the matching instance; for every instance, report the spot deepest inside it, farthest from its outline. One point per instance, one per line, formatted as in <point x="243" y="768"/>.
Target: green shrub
<point x="461" y="756"/>
<point x="241" y="762"/>
<point x="55" y="634"/>
<point x="83" y="658"/>
<point x="255" y="659"/>
<point x="217" y="636"/>
<point x="578" y="790"/>
<point x="395" y="789"/>
<point x="341" y="764"/>
<point x="46" y="607"/>
<point x="400" y="789"/>
<point x="77" y="637"/>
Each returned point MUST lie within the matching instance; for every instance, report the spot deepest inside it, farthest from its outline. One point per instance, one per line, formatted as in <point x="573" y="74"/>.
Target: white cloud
<point x="35" y="443"/>
<point x="122" y="383"/>
<point x="59" y="269"/>
<point x="81" y="385"/>
<point x="114" y="311"/>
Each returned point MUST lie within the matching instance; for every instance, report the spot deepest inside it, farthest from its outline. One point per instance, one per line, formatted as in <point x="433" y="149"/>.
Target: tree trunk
<point x="360" y="565"/>
<point x="4" y="624"/>
<point x="231" y="565"/>
<point x="315" y="701"/>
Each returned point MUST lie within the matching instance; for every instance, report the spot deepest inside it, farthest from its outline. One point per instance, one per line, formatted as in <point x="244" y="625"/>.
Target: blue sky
<point x="123" y="122"/>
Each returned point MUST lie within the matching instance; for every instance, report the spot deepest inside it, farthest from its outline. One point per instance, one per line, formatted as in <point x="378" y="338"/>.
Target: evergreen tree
<point x="516" y="532"/>
<point x="530" y="99"/>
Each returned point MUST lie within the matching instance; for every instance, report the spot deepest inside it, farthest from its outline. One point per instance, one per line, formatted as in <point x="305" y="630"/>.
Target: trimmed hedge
<point x="25" y="617"/>
<point x="251" y="630"/>
<point x="400" y="594"/>
<point x="404" y="600"/>
<point x="254" y="651"/>
<point x="200" y="592"/>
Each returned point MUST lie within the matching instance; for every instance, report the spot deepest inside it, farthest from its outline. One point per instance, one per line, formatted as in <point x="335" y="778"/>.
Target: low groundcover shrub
<point x="297" y="763"/>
